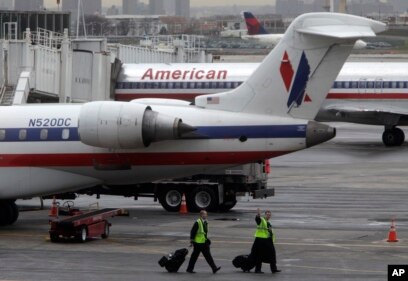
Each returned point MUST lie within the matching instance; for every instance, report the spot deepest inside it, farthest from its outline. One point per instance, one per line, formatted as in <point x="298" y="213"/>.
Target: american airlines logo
<point x="192" y="74"/>
<point x="295" y="83"/>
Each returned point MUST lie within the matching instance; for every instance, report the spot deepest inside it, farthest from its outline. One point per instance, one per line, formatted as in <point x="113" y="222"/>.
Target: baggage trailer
<point x="84" y="226"/>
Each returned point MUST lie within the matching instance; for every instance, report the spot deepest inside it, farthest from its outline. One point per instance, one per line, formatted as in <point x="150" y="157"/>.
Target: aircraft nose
<point x="317" y="133"/>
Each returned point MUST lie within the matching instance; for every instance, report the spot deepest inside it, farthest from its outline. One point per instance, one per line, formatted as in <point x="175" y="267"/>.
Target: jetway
<point x="47" y="66"/>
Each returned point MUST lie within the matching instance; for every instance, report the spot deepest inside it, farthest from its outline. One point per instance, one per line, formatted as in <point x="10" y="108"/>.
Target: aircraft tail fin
<point x="294" y="79"/>
<point x="253" y="25"/>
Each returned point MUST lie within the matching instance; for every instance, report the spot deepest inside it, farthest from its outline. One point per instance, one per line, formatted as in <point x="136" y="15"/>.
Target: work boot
<point x="216" y="269"/>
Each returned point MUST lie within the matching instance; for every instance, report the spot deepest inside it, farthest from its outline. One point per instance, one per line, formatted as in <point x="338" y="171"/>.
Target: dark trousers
<point x="201" y="248"/>
<point x="266" y="254"/>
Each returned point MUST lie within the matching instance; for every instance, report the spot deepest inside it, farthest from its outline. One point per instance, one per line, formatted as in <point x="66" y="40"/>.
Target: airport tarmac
<point x="331" y="214"/>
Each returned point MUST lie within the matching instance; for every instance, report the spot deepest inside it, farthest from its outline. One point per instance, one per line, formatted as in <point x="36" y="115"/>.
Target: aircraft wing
<point x="373" y="114"/>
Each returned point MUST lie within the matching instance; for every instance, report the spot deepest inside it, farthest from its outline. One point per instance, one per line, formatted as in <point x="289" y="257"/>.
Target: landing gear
<point x="8" y="212"/>
<point x="393" y="137"/>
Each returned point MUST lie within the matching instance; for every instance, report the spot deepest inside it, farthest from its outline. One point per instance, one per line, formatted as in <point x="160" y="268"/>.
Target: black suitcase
<point x="173" y="261"/>
<point x="245" y="262"/>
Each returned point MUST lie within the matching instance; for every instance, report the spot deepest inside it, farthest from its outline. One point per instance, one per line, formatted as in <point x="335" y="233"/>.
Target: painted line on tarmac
<point x="317" y="244"/>
<point x="335" y="269"/>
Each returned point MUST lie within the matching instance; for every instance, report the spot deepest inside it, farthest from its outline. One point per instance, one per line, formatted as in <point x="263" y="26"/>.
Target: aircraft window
<point x="155" y="85"/>
<point x="119" y="85"/>
<point x="386" y="84"/>
<point x="378" y="84"/>
<point x="65" y="134"/>
<point x="126" y="85"/>
<point x="184" y="85"/>
<point x="199" y="85"/>
<point x="43" y="134"/>
<point x="177" y="85"/>
<point x="213" y="85"/>
<point x="236" y="84"/>
<point x="148" y="85"/>
<point x="370" y="84"/>
<point x="2" y="134"/>
<point x="206" y="85"/>
<point x="394" y="84"/>
<point x="362" y="84"/>
<point x="163" y="85"/>
<point x="170" y="85"/>
<point x="228" y="85"/>
<point x="405" y="84"/>
<point x="400" y="84"/>
<point x="346" y="84"/>
<point x="142" y="85"/>
<point x="22" y="134"/>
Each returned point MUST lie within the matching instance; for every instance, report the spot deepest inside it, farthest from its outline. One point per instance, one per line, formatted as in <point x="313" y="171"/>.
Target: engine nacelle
<point x="111" y="124"/>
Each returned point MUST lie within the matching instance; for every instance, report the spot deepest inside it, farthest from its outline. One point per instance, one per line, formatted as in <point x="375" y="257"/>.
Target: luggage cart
<point x="84" y="226"/>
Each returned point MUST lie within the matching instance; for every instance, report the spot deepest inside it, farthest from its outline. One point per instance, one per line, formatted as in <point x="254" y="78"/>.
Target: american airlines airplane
<point x="374" y="93"/>
<point x="256" y="32"/>
<point x="56" y="148"/>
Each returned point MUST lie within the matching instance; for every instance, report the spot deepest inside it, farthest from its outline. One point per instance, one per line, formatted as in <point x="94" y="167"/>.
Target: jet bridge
<point x="46" y="66"/>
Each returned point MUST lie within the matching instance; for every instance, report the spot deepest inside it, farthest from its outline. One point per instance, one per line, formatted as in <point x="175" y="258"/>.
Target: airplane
<point x="373" y="93"/>
<point x="256" y="32"/>
<point x="55" y="148"/>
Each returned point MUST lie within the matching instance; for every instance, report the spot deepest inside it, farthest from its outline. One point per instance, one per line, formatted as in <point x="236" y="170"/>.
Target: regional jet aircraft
<point x="55" y="148"/>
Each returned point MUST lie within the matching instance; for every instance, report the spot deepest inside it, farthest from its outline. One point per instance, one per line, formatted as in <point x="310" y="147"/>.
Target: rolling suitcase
<point x="173" y="261"/>
<point x="245" y="262"/>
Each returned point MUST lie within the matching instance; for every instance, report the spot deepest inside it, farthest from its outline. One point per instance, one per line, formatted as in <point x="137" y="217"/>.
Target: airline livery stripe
<point x="367" y="96"/>
<point x="276" y="131"/>
<point x="125" y="160"/>
<point x="210" y="132"/>
<point x="180" y="96"/>
<point x="191" y="96"/>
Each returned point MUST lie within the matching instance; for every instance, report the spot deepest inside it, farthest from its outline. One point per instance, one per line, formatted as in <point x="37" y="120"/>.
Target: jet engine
<point x="110" y="124"/>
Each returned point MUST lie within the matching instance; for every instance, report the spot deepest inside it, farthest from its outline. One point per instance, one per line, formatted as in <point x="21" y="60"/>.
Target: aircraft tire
<point x="8" y="212"/>
<point x="393" y="137"/>
<point x="15" y="212"/>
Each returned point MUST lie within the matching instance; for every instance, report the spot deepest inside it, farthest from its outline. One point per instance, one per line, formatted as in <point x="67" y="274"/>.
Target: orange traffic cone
<point x="183" y="206"/>
<point x="54" y="209"/>
<point x="392" y="234"/>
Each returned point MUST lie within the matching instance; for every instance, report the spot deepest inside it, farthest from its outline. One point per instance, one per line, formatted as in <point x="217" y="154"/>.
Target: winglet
<point x="294" y="79"/>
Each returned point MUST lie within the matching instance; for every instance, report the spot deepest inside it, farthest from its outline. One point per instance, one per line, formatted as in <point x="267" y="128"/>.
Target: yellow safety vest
<point x="262" y="230"/>
<point x="200" y="235"/>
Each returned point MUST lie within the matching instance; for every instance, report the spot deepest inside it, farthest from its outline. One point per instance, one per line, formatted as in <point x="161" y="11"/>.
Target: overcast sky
<point x="193" y="2"/>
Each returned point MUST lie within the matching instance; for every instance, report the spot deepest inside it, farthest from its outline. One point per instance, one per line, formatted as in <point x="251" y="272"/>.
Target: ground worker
<point x="201" y="243"/>
<point x="263" y="249"/>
